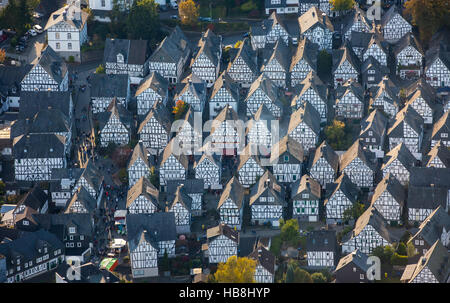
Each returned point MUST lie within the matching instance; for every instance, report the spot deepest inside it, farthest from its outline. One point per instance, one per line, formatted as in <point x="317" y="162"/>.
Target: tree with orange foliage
<point x="2" y="55"/>
<point x="179" y="109"/>
<point x="189" y="12"/>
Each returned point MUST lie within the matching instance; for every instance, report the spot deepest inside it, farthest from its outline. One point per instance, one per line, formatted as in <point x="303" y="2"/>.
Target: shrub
<point x="71" y="59"/>
<point x="399" y="260"/>
<point x="401" y="249"/>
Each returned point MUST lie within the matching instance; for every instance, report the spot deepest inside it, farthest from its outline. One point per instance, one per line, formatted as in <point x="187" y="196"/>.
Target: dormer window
<point x="120" y="58"/>
<point x="72" y="230"/>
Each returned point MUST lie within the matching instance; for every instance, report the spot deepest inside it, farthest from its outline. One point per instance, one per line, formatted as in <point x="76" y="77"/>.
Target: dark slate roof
<point x="118" y="110"/>
<point x="375" y="122"/>
<point x="266" y="25"/>
<point x="134" y="51"/>
<point x="344" y="184"/>
<point x="155" y="82"/>
<point x="157" y="227"/>
<point x="387" y="16"/>
<point x="268" y="87"/>
<point x="443" y="124"/>
<point x="307" y="51"/>
<point x="306" y="184"/>
<point x="440" y="40"/>
<point x="210" y="45"/>
<point x="143" y="187"/>
<point x="267" y="182"/>
<point x="354" y="15"/>
<point x="378" y="40"/>
<point x="350" y="86"/>
<point x="357" y="151"/>
<point x="168" y="151"/>
<point x="402" y="154"/>
<point x="141" y="152"/>
<point x="109" y="85"/>
<point x="313" y="17"/>
<point x="287" y="144"/>
<point x="11" y="76"/>
<point x="265" y="258"/>
<point x="45" y="121"/>
<point x="345" y="53"/>
<point x="222" y="229"/>
<point x="431" y="228"/>
<point x="167" y="51"/>
<point x="389" y="87"/>
<point x="326" y="151"/>
<point x="443" y="55"/>
<point x="66" y="173"/>
<point x="53" y="64"/>
<point x="34" y="198"/>
<point x="281" y="53"/>
<point x="52" y="222"/>
<point x="372" y="63"/>
<point x="321" y="240"/>
<point x="390" y="184"/>
<point x="39" y="146"/>
<point x="407" y="40"/>
<point x="307" y="114"/>
<point x="27" y="246"/>
<point x="437" y="261"/>
<point x="233" y="190"/>
<point x="182" y="197"/>
<point x="92" y="175"/>
<point x="248" y="55"/>
<point x="357" y="257"/>
<point x="429" y="197"/>
<point x="421" y="176"/>
<point x="82" y="196"/>
<point x="360" y="39"/>
<point x="191" y="186"/>
<point x="161" y="114"/>
<point x="197" y="88"/>
<point x="32" y="102"/>
<point x="408" y="115"/>
<point x="373" y="218"/>
<point x="440" y="151"/>
<point x="10" y="234"/>
<point x="226" y="82"/>
<point x="314" y="82"/>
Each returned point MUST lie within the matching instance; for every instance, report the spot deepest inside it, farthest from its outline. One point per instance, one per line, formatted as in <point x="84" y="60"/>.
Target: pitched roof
<point x="161" y="114"/>
<point x="402" y="154"/>
<point x="437" y="261"/>
<point x="51" y="222"/>
<point x="168" y="151"/>
<point x="222" y="229"/>
<point x="281" y="53"/>
<point x="182" y="197"/>
<point x="141" y="152"/>
<point x="267" y="182"/>
<point x="408" y="115"/>
<point x="234" y="191"/>
<point x="345" y="185"/>
<point x="357" y="151"/>
<point x="33" y="102"/>
<point x="426" y="176"/>
<point x="426" y="197"/>
<point x="145" y="188"/>
<point x="431" y="228"/>
<point x="306" y="183"/>
<point x="53" y="64"/>
<point x="311" y="81"/>
<point x="248" y="55"/>
<point x="265" y="258"/>
<point x="133" y="51"/>
<point x="92" y="175"/>
<point x="109" y="85"/>
<point x="307" y="114"/>
<point x="321" y="240"/>
<point x="66" y="15"/>
<point x="226" y="82"/>
<point x="155" y="82"/>
<point x="267" y="86"/>
<point x="356" y="257"/>
<point x="190" y="186"/>
<point x="167" y="51"/>
<point x="39" y="146"/>
<point x="312" y="17"/>
<point x="345" y="53"/>
<point x="390" y="184"/>
<point x="443" y="124"/>
<point x="407" y="40"/>
<point x="34" y="198"/>
<point x="210" y="45"/>
<point x="82" y="196"/>
<point x="287" y="144"/>
<point x="326" y="151"/>
<point x="441" y="152"/>
<point x="350" y="86"/>
<point x="375" y="122"/>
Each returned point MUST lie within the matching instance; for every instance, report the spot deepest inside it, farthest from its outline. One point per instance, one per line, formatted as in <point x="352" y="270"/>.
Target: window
<point x="69" y="45"/>
<point x="103" y="3"/>
<point x="444" y="135"/>
<point x="71" y="238"/>
<point x="72" y="230"/>
<point x="361" y="276"/>
<point x="286" y="158"/>
<point x="25" y="222"/>
<point x="56" y="35"/>
<point x="58" y="46"/>
<point x="79" y="244"/>
<point x="81" y="237"/>
<point x="69" y="36"/>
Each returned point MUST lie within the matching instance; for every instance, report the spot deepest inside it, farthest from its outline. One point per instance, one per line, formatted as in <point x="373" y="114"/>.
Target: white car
<point x="32" y="32"/>
<point x="38" y="29"/>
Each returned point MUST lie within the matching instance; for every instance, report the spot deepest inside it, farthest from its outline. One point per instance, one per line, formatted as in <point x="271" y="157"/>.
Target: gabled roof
<point x="182" y="197"/>
<point x="167" y="51"/>
<point x="226" y="82"/>
<point x="321" y="240"/>
<point x="408" y="115"/>
<point x="11" y="76"/>
<point x="345" y="53"/>
<point x="356" y="257"/>
<point x="312" y="17"/>
<point x="373" y="218"/>
<point x="190" y="186"/>
<point x="52" y="222"/>
<point x="375" y="122"/>
<point x="432" y="227"/>
<point x="264" y="115"/>
<point x="437" y="261"/>
<point x="133" y="51"/>
<point x="226" y="114"/>
<point x="443" y="124"/>
<point x="289" y="145"/>
<point x="265" y="258"/>
<point x="141" y="152"/>
<point x="222" y="229"/>
<point x="82" y="196"/>
<point x="145" y="188"/>
<point x="357" y="151"/>
<point x="119" y="111"/>
<point x="307" y="114"/>
<point x="387" y="16"/>
<point x="426" y="176"/>
<point x="326" y="151"/>
<point x="161" y="114"/>
<point x="390" y="184"/>
<point x="168" y="151"/>
<point x="64" y="14"/>
<point x="45" y="121"/>
<point x="372" y="63"/>
<point x="402" y="154"/>
<point x="268" y="87"/>
<point x="155" y="82"/>
<point x="211" y="157"/>
<point x="440" y="151"/>
<point x="379" y="41"/>
<point x="178" y="36"/>
<point x="267" y="182"/>
<point x="92" y="175"/>
<point x="197" y="88"/>
<point x="407" y="40"/>
<point x="350" y="86"/>
<point x="427" y="197"/>
<point x="360" y="39"/>
<point x="39" y="146"/>
<point x="344" y="184"/>
<point x="35" y="198"/>
<point x="311" y="81"/>
<point x="248" y="55"/>
<point x="33" y="102"/>
<point x="234" y="191"/>
<point x="282" y="54"/>
<point x="109" y="85"/>
<point x="306" y="183"/>
<point x="266" y="25"/>
<point x="354" y="15"/>
<point x="386" y="85"/>
<point x="210" y="45"/>
<point x="53" y="64"/>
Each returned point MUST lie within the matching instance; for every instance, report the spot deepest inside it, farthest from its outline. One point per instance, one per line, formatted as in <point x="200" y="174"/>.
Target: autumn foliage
<point x="179" y="109"/>
<point x="189" y="12"/>
<point x="236" y="270"/>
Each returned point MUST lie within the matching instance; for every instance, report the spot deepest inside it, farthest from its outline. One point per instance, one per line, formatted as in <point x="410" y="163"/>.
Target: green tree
<point x="302" y="276"/>
<point x="143" y="22"/>
<point x="428" y="16"/>
<point x="318" y="277"/>
<point x="290" y="230"/>
<point x="342" y="5"/>
<point x="189" y="12"/>
<point x="154" y="179"/>
<point x="236" y="270"/>
<point x="337" y="135"/>
<point x="401" y="249"/>
<point x="100" y="69"/>
<point x="353" y="212"/>
<point x="290" y="274"/>
<point x="123" y="175"/>
<point x="324" y="64"/>
<point x="410" y="250"/>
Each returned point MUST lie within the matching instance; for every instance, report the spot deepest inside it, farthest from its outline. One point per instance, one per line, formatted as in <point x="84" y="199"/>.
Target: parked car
<point x="32" y="32"/>
<point x="174" y="5"/>
<point x="174" y="17"/>
<point x="20" y="48"/>
<point x="37" y="15"/>
<point x="38" y="29"/>
<point x="206" y="19"/>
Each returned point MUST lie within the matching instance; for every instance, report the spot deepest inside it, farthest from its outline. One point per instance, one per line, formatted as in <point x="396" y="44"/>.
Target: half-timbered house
<point x="181" y="207"/>
<point x="376" y="48"/>
<point x="225" y="92"/>
<point x="115" y="124"/>
<point x="35" y="201"/>
<point x="350" y="100"/>
<point x="267" y="201"/>
<point x="173" y="165"/>
<point x="264" y="91"/>
<point x="389" y="198"/>
<point x="346" y="65"/>
<point x="441" y="130"/>
<point x="49" y="73"/>
<point x="209" y="168"/>
<point x="393" y="25"/>
<point x="188" y="133"/>
<point x="243" y="67"/>
<point x="286" y="158"/>
<point x="372" y="72"/>
<point x="227" y="133"/>
<point x="142" y="198"/>
<point x="265" y="265"/>
<point x="359" y="164"/>
<point x="370" y="231"/>
<point x="104" y="88"/>
<point x="154" y="88"/>
<point x="341" y="195"/>
<point x="81" y="203"/>
<point x="385" y="97"/>
<point x="206" y="63"/>
<point x="231" y="204"/>
<point x="321" y="249"/>
<point x="122" y="56"/>
<point x="249" y="167"/>
<point x="222" y="243"/>
<point x="276" y="64"/>
<point x="373" y="132"/>
<point x="268" y="32"/>
<point x="303" y="62"/>
<point x="356" y="22"/>
<point x="138" y="166"/>
<point x="423" y="101"/>
<point x="194" y="188"/>
<point x="306" y="196"/>
<point x="192" y="90"/>
<point x="398" y="162"/>
<point x="437" y="68"/>
<point x="91" y="180"/>
<point x="304" y="126"/>
<point x="323" y="164"/>
<point x="154" y="130"/>
<point x="261" y="131"/>
<point x="408" y="54"/>
<point x="353" y="268"/>
<point x="439" y="156"/>
<point x="317" y="27"/>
